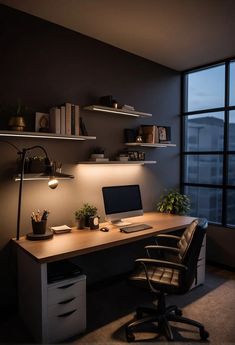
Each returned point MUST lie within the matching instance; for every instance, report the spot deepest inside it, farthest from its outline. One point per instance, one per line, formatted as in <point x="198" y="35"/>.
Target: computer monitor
<point x="122" y="202"/>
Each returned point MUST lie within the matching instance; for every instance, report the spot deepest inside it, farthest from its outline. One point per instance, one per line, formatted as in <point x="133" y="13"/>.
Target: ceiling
<point x="180" y="34"/>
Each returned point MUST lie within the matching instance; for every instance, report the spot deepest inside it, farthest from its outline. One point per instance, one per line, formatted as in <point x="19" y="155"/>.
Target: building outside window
<point x="208" y="152"/>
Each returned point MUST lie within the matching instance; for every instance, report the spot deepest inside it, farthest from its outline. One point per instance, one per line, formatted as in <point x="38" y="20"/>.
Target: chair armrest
<point x="168" y="236"/>
<point x="163" y="263"/>
<point x="161" y="249"/>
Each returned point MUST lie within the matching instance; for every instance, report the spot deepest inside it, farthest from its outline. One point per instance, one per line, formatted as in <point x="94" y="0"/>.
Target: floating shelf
<point x="42" y="176"/>
<point x="44" y="135"/>
<point x="118" y="163"/>
<point x="150" y="145"/>
<point x="116" y="111"/>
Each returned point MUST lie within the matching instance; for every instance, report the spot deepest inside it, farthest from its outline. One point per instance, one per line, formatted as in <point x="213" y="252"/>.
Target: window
<point x="208" y="153"/>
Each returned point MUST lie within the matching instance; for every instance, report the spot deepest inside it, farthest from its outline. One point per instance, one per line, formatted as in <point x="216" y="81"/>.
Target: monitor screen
<point x="122" y="202"/>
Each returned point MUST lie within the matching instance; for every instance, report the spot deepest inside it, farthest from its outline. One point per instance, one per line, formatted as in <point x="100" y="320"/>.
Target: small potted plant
<point x="17" y="121"/>
<point x="174" y="202"/>
<point x="83" y="214"/>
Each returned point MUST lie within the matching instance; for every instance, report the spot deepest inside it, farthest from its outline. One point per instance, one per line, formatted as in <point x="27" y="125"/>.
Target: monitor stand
<point x="120" y="222"/>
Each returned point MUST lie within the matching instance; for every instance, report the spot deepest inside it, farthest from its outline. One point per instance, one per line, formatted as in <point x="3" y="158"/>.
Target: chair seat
<point x="160" y="277"/>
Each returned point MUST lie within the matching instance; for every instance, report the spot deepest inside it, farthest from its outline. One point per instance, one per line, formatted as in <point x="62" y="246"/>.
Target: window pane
<point x="205" y="202"/>
<point x="204" y="169"/>
<point x="205" y="89"/>
<point x="232" y="84"/>
<point x="232" y="130"/>
<point x="231" y="206"/>
<point x="231" y="171"/>
<point x="204" y="132"/>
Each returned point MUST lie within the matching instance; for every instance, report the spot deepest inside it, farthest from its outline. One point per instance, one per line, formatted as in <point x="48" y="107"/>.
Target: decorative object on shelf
<point x="107" y="101"/>
<point x="42" y="122"/>
<point x="17" y="121"/>
<point x="164" y="134"/>
<point x="83" y="215"/>
<point x="130" y="135"/>
<point x="98" y="155"/>
<point x="174" y="202"/>
<point x="136" y="155"/>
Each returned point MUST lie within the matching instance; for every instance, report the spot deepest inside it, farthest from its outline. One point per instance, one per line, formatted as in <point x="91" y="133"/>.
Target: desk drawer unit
<point x="66" y="308"/>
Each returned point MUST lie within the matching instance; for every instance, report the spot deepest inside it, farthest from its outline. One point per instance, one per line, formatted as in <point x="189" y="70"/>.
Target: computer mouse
<point x="104" y="228"/>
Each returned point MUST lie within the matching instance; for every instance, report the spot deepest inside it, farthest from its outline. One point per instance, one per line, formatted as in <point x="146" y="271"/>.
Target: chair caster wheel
<point x="204" y="334"/>
<point x="129" y="336"/>
<point x="178" y="312"/>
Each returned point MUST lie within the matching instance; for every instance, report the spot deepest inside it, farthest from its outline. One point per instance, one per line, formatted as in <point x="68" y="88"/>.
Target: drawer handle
<point x="67" y="314"/>
<point x="65" y="286"/>
<point x="67" y="300"/>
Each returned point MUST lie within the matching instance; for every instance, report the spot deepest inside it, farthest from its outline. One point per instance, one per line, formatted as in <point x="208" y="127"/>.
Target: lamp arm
<point x="23" y="153"/>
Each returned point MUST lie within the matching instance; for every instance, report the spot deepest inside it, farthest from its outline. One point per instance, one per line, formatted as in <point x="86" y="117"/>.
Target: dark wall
<point x="46" y="65"/>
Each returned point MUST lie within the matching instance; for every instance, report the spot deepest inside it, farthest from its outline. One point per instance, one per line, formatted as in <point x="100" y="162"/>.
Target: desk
<point x="34" y="256"/>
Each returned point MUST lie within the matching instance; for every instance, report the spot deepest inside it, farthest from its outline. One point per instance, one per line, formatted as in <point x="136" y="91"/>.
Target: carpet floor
<point x="111" y="307"/>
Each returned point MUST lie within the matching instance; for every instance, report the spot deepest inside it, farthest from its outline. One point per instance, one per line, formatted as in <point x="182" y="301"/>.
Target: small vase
<point x="17" y="123"/>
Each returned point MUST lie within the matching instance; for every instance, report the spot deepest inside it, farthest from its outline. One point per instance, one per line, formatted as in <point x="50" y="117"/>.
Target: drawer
<point x="66" y="290"/>
<point x="66" y="325"/>
<point x="66" y="306"/>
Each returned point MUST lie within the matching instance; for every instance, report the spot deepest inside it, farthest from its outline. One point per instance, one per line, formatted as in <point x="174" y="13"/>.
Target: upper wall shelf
<point x="116" y="111"/>
<point x="119" y="162"/>
<point x="150" y="145"/>
<point x="44" y="135"/>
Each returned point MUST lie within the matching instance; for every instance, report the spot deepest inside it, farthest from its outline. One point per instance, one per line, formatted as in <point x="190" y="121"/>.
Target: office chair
<point x="163" y="277"/>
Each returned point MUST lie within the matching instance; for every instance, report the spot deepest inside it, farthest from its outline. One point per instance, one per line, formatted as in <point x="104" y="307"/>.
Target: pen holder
<point x="39" y="227"/>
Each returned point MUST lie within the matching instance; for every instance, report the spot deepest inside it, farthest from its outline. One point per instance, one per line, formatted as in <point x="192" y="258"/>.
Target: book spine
<point x="73" y="119"/>
<point x="55" y="120"/>
<point x="77" y="121"/>
<point x="68" y="118"/>
<point x="62" y="120"/>
<point x="156" y="140"/>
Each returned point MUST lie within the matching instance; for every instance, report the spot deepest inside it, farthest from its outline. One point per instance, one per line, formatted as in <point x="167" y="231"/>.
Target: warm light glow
<point x="53" y="182"/>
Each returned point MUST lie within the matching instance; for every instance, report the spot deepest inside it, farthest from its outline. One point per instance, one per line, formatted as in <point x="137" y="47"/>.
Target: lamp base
<point x="38" y="237"/>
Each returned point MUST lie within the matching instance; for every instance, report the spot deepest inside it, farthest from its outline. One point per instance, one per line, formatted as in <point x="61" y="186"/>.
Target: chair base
<point x="162" y="316"/>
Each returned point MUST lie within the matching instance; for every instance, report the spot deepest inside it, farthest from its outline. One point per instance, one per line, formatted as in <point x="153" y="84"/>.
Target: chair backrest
<point x="189" y="249"/>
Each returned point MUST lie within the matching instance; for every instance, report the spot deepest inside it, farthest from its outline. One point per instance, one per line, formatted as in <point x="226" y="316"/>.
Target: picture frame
<point x="162" y="133"/>
<point x="42" y="122"/>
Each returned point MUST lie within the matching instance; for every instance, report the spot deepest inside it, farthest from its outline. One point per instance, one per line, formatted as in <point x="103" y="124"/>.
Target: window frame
<point x="225" y="153"/>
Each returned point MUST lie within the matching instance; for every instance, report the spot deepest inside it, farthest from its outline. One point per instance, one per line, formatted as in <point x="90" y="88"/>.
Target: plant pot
<point x="80" y="223"/>
<point x="17" y="123"/>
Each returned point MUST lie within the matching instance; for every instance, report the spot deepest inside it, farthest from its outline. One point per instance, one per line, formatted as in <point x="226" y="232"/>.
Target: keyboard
<point x="133" y="228"/>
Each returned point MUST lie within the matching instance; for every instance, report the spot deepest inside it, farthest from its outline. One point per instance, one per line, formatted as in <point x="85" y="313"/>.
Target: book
<point x="60" y="229"/>
<point x="77" y="121"/>
<point x="55" y="120"/>
<point x="72" y="119"/>
<point x="82" y="127"/>
<point x="68" y="118"/>
<point x="99" y="159"/>
<point x="149" y="134"/>
<point x="62" y="120"/>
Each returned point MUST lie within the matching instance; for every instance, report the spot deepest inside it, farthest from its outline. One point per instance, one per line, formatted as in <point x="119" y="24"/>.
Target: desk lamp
<point x="49" y="172"/>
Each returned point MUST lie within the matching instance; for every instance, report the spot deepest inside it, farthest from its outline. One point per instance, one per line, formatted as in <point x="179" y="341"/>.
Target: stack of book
<point x="65" y="119"/>
<point x="99" y="158"/>
<point x="128" y="107"/>
<point x="155" y="134"/>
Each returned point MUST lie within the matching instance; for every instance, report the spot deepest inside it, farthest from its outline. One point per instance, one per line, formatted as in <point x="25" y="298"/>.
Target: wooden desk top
<point x="79" y="242"/>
